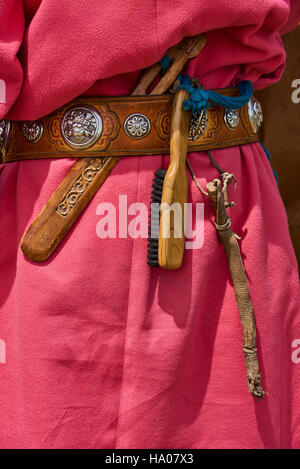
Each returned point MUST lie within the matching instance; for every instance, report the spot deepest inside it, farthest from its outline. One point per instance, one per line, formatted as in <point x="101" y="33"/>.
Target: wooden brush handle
<point x="175" y="189"/>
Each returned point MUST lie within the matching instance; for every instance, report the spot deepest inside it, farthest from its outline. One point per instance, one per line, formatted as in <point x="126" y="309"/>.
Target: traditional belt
<point x="124" y="126"/>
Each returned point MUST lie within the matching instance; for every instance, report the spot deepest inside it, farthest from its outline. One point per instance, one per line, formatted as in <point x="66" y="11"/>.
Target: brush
<point x="169" y="195"/>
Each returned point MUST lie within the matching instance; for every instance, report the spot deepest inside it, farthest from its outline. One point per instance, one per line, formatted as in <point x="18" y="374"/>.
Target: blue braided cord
<point x="165" y="63"/>
<point x="199" y="98"/>
<point x="266" y="151"/>
<point x="275" y="176"/>
<point x="268" y="154"/>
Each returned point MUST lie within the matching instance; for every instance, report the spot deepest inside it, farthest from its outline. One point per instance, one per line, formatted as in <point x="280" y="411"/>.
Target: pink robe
<point x="101" y="350"/>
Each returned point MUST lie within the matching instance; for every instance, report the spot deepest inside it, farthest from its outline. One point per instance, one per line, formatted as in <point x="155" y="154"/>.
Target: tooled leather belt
<point x="124" y="126"/>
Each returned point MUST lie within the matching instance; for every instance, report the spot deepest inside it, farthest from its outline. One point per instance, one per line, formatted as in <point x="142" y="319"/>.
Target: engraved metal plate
<point x="231" y="118"/>
<point x="81" y="126"/>
<point x="137" y="126"/>
<point x="33" y="130"/>
<point x="255" y="114"/>
<point x="5" y="127"/>
<point x="198" y="125"/>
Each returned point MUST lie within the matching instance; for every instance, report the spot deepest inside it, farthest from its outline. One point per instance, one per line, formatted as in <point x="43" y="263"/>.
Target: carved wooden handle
<point x="175" y="189"/>
<point x="64" y="207"/>
<point x="187" y="49"/>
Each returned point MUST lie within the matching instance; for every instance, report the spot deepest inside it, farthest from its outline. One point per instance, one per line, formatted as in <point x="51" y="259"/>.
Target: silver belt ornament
<point x="255" y="114"/>
<point x="5" y="129"/>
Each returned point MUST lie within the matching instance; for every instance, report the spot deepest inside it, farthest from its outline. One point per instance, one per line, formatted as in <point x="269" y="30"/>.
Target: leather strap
<point x="232" y="250"/>
<point x="61" y="134"/>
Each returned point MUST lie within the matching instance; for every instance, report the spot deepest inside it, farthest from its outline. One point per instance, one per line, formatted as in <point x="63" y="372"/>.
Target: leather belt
<point x="124" y="126"/>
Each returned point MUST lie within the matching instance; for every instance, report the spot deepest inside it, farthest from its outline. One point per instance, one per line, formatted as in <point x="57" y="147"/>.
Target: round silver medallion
<point x="198" y="125"/>
<point x="5" y="127"/>
<point x="137" y="126"/>
<point x="255" y="114"/>
<point x="81" y="126"/>
<point x="231" y="118"/>
<point x="33" y="130"/>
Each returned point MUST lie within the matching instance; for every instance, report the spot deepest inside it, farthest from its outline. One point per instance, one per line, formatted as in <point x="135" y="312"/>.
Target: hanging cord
<point x="226" y="178"/>
<point x="194" y="177"/>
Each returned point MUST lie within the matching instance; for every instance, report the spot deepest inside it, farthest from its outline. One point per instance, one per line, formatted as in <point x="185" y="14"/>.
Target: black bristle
<point x="154" y="217"/>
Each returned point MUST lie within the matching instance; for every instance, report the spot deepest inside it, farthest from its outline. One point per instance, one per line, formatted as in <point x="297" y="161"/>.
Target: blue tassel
<point x="199" y="98"/>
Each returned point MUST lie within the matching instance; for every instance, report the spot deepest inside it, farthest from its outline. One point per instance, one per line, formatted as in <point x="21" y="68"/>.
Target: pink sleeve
<point x="243" y="34"/>
<point x="11" y="35"/>
<point x="69" y="46"/>
<point x="293" y="18"/>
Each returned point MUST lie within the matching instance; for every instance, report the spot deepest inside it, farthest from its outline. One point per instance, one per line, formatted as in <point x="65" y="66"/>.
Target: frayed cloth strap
<point x="199" y="97"/>
<point x="229" y="240"/>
